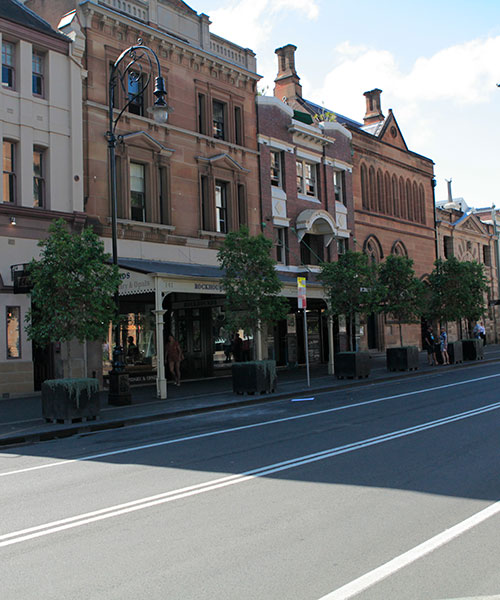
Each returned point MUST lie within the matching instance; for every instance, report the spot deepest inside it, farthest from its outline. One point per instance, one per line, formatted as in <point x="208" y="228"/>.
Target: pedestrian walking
<point x="237" y="347"/>
<point x="443" y="346"/>
<point x="174" y="357"/>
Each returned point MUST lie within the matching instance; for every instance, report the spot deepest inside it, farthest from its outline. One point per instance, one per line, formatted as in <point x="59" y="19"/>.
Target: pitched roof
<point x="13" y="10"/>
<point x="316" y="109"/>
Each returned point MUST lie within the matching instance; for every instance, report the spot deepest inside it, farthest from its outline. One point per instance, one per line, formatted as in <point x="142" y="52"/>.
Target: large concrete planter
<point x="69" y="400"/>
<point x="352" y="365"/>
<point x="403" y="358"/>
<point x="473" y="349"/>
<point x="258" y="376"/>
<point x="455" y="352"/>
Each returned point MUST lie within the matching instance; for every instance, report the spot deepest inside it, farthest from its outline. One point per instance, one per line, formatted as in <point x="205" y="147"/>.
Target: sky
<point x="437" y="63"/>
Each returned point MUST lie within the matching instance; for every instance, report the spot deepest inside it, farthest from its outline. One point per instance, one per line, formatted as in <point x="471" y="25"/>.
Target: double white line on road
<point x="30" y="533"/>
<point x="243" y="427"/>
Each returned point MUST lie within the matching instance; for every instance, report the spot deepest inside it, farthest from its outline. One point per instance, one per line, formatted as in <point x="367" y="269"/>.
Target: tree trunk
<point x="400" y="334"/>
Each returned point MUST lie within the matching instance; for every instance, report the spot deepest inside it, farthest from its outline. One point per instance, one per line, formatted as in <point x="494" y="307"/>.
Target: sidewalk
<point x="21" y="421"/>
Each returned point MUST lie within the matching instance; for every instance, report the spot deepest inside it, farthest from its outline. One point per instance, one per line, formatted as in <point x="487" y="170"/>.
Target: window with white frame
<point x="137" y="192"/>
<point x="8" y="65"/>
<point x="9" y="171"/>
<point x="338" y="185"/>
<point x="276" y="169"/>
<point x="221" y="216"/>
<point x="39" y="177"/>
<point x="37" y="86"/>
<point x="307" y="178"/>
<point x="280" y="243"/>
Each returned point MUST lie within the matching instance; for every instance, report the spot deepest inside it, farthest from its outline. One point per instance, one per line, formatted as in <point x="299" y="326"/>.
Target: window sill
<point x="216" y="234"/>
<point x="147" y="224"/>
<point x="308" y="198"/>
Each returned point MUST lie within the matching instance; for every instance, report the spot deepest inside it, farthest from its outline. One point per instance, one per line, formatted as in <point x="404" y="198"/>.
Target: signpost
<point x="302" y="304"/>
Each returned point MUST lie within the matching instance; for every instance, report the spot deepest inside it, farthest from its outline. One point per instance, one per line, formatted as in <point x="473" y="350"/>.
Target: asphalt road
<point x="389" y="492"/>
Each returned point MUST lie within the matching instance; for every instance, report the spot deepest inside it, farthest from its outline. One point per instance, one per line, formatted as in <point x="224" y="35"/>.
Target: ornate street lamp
<point x="133" y="59"/>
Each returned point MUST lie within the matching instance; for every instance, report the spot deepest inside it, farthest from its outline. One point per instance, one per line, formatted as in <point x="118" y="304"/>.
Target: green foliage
<point x="73" y="288"/>
<point x="351" y="285"/>
<point x="403" y="292"/>
<point x="456" y="290"/>
<point x="250" y="281"/>
<point x="325" y="116"/>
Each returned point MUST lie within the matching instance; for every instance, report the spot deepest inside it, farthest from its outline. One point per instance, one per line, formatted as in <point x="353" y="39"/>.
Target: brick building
<point x="392" y="189"/>
<point x="307" y="208"/>
<point x="41" y="154"/>
<point x="471" y="234"/>
<point x="182" y="185"/>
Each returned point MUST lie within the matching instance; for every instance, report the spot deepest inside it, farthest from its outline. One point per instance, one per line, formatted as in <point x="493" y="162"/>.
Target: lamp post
<point x="132" y="59"/>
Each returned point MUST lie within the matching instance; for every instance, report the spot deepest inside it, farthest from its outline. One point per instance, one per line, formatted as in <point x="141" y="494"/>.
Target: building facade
<point x="307" y="209"/>
<point x="392" y="191"/>
<point x="183" y="185"/>
<point x="42" y="158"/>
<point x="471" y="234"/>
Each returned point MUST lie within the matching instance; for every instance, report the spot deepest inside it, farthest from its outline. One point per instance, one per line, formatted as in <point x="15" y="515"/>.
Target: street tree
<point x="456" y="291"/>
<point x="73" y="287"/>
<point x="403" y="293"/>
<point x="251" y="283"/>
<point x="351" y="287"/>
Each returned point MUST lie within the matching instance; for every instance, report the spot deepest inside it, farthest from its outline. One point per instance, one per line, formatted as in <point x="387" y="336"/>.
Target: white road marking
<point x="30" y="533"/>
<point x="362" y="583"/>
<point x="241" y="427"/>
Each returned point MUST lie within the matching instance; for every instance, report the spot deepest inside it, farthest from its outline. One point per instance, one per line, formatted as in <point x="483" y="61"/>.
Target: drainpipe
<point x="433" y="184"/>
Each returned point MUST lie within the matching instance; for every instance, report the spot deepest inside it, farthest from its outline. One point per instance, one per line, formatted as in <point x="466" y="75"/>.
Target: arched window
<point x="409" y="202"/>
<point x="415" y="202"/>
<point x="402" y="199"/>
<point x="373" y="249"/>
<point x="373" y="190"/>
<point x="365" y="201"/>
<point x="389" y="208"/>
<point x="399" y="249"/>
<point x="380" y="192"/>
<point x="395" y="197"/>
<point x="421" y="202"/>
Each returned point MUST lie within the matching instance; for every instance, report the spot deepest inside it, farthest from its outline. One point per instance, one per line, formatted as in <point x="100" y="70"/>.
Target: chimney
<point x="287" y="81"/>
<point x="373" y="109"/>
<point x="450" y="195"/>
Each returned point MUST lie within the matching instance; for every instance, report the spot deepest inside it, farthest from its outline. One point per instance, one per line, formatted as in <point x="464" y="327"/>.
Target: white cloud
<point x="252" y="21"/>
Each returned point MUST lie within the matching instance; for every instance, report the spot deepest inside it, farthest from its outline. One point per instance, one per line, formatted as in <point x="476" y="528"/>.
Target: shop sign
<point x="209" y="302"/>
<point x="135" y="283"/>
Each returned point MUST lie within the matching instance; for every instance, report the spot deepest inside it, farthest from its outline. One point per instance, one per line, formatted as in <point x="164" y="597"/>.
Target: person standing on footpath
<point x="443" y="346"/>
<point x="429" y="343"/>
<point x="174" y="357"/>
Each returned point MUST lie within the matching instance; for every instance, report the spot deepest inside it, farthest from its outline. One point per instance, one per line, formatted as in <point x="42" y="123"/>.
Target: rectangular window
<point x="306" y="178"/>
<point x="448" y="246"/>
<point x="341" y="245"/>
<point x="137" y="192"/>
<point x="135" y="93"/>
<point x="202" y="113"/>
<point x="487" y="256"/>
<point x="276" y="171"/>
<point x="205" y="204"/>
<point x="13" y="331"/>
<point x="37" y="74"/>
<point x="38" y="178"/>
<point x="219" y="121"/>
<point x="280" y="242"/>
<point x="221" y="224"/>
<point x="9" y="172"/>
<point x="242" y="205"/>
<point x="338" y="185"/>
<point x="8" y="61"/>
<point x="238" y="126"/>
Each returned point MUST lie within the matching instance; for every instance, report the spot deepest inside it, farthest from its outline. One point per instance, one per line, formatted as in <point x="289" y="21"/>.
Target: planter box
<point x="352" y="364"/>
<point x="455" y="352"/>
<point x="68" y="400"/>
<point x="473" y="349"/>
<point x="404" y="358"/>
<point x="258" y="376"/>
